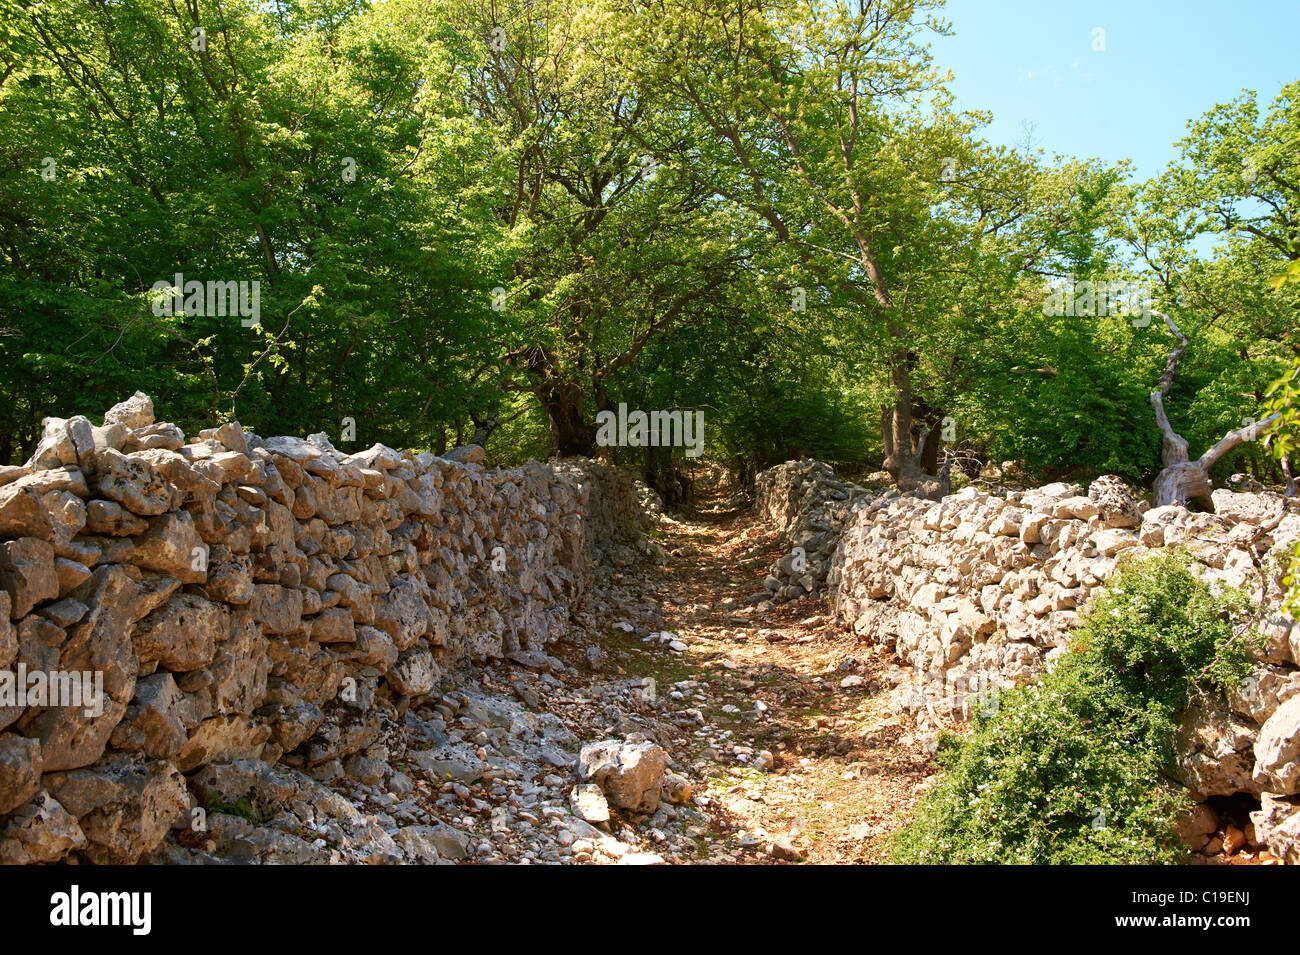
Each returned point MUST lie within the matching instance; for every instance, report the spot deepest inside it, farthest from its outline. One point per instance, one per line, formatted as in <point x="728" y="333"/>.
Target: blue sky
<point x="1165" y="62"/>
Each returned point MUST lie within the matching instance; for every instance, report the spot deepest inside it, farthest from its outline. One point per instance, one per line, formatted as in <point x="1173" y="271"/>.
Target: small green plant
<point x="1078" y="768"/>
<point x="240" y="807"/>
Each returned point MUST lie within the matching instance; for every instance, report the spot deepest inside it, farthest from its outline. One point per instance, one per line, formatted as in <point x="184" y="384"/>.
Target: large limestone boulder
<point x="172" y="545"/>
<point x="182" y="634"/>
<point x="236" y="679"/>
<point x="133" y="413"/>
<point x="56" y="447"/>
<point x="1238" y="506"/>
<point x="334" y="625"/>
<point x="1277" y="823"/>
<point x="631" y="774"/>
<point x="111" y="518"/>
<point x="1074" y="508"/>
<point x="221" y="739"/>
<point x="1213" y="751"/>
<point x="587" y="800"/>
<point x="1266" y="688"/>
<point x="278" y="609"/>
<point x="154" y="723"/>
<point x="230" y="577"/>
<point x="99" y="644"/>
<point x="1115" y="502"/>
<point x="124" y="805"/>
<point x="466" y="454"/>
<point x="41" y="831"/>
<point x="290" y="723"/>
<point x="1162" y="525"/>
<point x="27" y="572"/>
<point x="415" y="673"/>
<point x="403" y="613"/>
<point x="295" y="449"/>
<point x="132" y="482"/>
<point x="22" y="514"/>
<point x="20" y="770"/>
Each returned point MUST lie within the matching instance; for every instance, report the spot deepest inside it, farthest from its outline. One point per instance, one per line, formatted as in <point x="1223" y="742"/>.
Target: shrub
<point x="1078" y="768"/>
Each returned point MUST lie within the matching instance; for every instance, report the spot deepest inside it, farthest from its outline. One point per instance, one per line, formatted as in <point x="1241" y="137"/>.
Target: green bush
<point x="1078" y="767"/>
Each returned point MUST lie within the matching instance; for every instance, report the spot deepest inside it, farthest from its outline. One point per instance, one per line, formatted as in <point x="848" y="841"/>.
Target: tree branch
<point x="1234" y="438"/>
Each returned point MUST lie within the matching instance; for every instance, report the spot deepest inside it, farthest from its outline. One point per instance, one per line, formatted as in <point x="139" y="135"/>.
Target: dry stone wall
<point x="808" y="506"/>
<point x="617" y="512"/>
<point x="250" y="602"/>
<point x="986" y="587"/>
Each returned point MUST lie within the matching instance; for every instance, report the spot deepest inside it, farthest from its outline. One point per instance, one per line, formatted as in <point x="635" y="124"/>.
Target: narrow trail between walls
<point x="783" y="721"/>
<point x="782" y="744"/>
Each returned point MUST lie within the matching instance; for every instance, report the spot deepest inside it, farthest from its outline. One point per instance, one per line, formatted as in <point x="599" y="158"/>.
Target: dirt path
<point x="787" y="730"/>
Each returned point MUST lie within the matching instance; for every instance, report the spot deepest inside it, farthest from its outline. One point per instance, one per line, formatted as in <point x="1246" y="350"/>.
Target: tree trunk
<point x="887" y="436"/>
<point x="1181" y="483"/>
<point x="1183" y="480"/>
<point x="570" y="432"/>
<point x="929" y="448"/>
<point x="901" y="459"/>
<point x="483" y="428"/>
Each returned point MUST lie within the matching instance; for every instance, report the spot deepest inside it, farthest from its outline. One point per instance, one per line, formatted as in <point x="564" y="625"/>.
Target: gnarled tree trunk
<point x="907" y="467"/>
<point x="563" y="400"/>
<point x="1182" y="479"/>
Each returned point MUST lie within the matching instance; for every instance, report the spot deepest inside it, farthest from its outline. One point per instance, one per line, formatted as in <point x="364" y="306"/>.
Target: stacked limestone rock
<point x="981" y="590"/>
<point x="992" y="583"/>
<point x="619" y="509"/>
<point x="272" y="600"/>
<point x="808" y="507"/>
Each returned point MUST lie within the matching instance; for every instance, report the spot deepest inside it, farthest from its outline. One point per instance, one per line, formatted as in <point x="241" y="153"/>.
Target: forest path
<point x="843" y="770"/>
